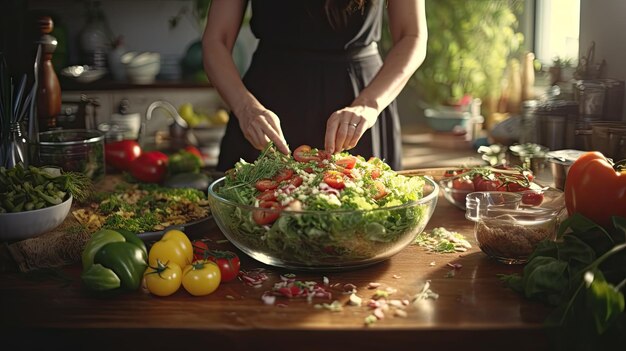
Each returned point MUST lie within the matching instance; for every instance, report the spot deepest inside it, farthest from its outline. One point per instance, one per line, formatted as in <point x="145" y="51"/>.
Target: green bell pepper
<point x="114" y="259"/>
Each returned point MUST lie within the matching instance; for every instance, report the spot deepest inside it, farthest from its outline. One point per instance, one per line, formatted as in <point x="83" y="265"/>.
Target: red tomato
<point x="266" y="184"/>
<point x="303" y="153"/>
<point x="267" y="195"/>
<point x="149" y="167"/>
<point x="347" y="162"/>
<point x="295" y="181"/>
<point x="269" y="213"/>
<point x="514" y="187"/>
<point x="227" y="261"/>
<point x="120" y="154"/>
<point x="376" y="173"/>
<point x="199" y="248"/>
<point x="381" y="191"/>
<point x="283" y="174"/>
<point x="347" y="172"/>
<point x="323" y="155"/>
<point x="334" y="179"/>
<point x="532" y="198"/>
<point x="482" y="184"/>
<point x="464" y="187"/>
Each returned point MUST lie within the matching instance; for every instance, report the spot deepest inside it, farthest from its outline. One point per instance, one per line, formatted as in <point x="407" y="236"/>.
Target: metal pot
<point x="560" y="163"/>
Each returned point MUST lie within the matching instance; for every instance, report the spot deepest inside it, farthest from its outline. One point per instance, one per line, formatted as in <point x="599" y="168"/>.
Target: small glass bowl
<point x="508" y="229"/>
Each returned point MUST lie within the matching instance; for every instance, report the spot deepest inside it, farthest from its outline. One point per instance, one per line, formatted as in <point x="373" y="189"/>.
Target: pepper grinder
<point x="48" y="89"/>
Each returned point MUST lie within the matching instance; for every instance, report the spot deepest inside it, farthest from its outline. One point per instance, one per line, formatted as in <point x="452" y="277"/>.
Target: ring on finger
<point x="353" y="125"/>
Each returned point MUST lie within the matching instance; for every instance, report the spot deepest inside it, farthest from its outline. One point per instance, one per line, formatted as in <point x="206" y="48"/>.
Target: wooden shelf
<point x="107" y="84"/>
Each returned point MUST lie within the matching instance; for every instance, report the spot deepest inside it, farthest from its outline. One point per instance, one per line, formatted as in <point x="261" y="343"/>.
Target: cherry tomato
<point x="199" y="248"/>
<point x="267" y="195"/>
<point x="482" y="184"/>
<point x="295" y="181"/>
<point x="163" y="279"/>
<point x="283" y="174"/>
<point x="228" y="263"/>
<point x="303" y="153"/>
<point x="334" y="179"/>
<point x="346" y="162"/>
<point x="514" y="187"/>
<point x="376" y="173"/>
<point x="463" y="186"/>
<point x="532" y="198"/>
<point x="323" y="155"/>
<point x="201" y="278"/>
<point x="149" y="167"/>
<point x="120" y="154"/>
<point x="266" y="184"/>
<point x="269" y="212"/>
<point x="347" y="172"/>
<point x="174" y="247"/>
<point x="380" y="190"/>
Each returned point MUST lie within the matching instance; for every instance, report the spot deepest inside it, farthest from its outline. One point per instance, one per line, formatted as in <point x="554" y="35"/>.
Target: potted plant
<point x="561" y="70"/>
<point x="470" y="44"/>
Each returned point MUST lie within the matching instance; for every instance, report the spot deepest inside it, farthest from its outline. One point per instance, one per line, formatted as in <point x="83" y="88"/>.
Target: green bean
<point x="18" y="207"/>
<point x="8" y="204"/>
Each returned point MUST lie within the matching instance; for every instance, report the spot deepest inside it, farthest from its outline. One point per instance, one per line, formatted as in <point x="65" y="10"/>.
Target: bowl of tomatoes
<point x="316" y="211"/>
<point x="455" y="186"/>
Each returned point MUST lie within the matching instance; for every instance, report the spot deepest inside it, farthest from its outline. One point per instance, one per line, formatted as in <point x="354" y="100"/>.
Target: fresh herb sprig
<point x="584" y="276"/>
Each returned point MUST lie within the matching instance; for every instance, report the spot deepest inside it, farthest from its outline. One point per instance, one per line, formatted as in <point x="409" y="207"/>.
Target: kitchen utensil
<point x="560" y="162"/>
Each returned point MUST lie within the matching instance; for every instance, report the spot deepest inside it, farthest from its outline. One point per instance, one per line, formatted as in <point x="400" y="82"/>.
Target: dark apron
<point x="304" y="88"/>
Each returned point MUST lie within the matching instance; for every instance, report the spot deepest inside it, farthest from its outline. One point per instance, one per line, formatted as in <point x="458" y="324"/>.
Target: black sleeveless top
<point x="304" y="69"/>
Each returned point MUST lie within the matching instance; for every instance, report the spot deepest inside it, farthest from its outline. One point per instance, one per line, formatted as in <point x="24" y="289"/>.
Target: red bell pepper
<point x="595" y="189"/>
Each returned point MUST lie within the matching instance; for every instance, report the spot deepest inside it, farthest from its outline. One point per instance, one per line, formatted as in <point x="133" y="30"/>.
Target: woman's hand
<point x="260" y="125"/>
<point x="345" y="127"/>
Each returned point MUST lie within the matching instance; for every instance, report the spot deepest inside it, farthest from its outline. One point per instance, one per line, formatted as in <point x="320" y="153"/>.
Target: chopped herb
<point x="441" y="240"/>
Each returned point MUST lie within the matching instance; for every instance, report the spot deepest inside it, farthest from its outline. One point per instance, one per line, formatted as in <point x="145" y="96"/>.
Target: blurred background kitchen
<point x="515" y="78"/>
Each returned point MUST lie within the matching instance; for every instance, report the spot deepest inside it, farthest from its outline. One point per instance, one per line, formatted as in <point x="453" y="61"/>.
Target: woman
<point x="316" y="76"/>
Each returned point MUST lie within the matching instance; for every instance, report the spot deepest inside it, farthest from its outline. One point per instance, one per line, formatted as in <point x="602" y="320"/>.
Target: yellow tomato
<point x="201" y="278"/>
<point x="174" y="246"/>
<point x="163" y="279"/>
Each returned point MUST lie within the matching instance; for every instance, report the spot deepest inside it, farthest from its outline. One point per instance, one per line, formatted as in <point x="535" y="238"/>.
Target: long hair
<point x="337" y="11"/>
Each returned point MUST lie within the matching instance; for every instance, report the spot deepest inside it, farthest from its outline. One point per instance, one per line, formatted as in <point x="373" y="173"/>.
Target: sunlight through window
<point x="557" y="29"/>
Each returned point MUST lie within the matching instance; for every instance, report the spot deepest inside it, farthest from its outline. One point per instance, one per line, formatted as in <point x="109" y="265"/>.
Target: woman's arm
<point x="407" y="23"/>
<point x="258" y="124"/>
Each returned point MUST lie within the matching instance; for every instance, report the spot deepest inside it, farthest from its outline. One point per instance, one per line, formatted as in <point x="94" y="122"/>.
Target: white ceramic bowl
<point x="83" y="74"/>
<point x="142" y="68"/>
<point x="27" y="224"/>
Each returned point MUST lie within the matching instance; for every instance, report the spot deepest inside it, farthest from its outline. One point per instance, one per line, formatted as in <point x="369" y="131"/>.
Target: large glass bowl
<point x="323" y="240"/>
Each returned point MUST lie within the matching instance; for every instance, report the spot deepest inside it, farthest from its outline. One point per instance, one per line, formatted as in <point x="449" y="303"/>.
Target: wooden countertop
<point x="474" y="309"/>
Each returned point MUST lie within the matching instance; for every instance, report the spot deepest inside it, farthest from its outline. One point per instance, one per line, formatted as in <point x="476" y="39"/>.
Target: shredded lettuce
<point x="335" y="225"/>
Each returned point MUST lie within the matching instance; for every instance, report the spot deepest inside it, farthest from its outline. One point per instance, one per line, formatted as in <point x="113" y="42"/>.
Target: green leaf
<point x="603" y="300"/>
<point x="546" y="278"/>
<point x="579" y="224"/>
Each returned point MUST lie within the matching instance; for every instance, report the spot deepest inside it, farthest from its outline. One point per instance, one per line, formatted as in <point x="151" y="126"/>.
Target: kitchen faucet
<point x="178" y="129"/>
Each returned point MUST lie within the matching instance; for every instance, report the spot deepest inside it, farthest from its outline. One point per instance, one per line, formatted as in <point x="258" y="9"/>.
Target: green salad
<point x="313" y="208"/>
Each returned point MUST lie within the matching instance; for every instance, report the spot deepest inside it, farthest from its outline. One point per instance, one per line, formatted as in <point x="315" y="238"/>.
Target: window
<point x="557" y="25"/>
